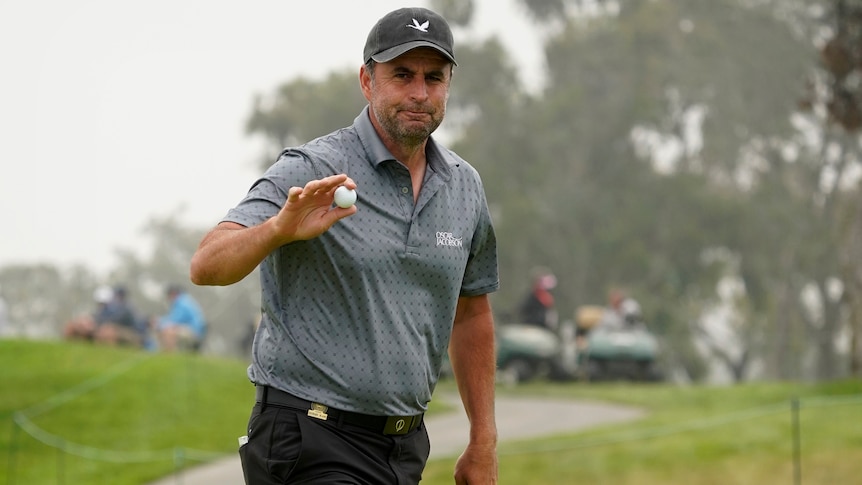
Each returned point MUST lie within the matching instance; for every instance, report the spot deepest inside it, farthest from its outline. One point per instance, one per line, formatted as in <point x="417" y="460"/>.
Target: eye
<point x="435" y="77"/>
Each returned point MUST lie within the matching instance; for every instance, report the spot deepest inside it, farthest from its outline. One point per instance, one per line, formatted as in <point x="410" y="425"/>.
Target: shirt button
<point x="405" y="190"/>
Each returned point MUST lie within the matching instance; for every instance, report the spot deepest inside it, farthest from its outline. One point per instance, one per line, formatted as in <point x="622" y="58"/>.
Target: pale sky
<point x="114" y="112"/>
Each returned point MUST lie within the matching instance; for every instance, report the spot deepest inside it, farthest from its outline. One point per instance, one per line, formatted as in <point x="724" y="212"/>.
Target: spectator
<point x="184" y="326"/>
<point x="538" y="307"/>
<point x="84" y="327"/>
<point x="119" y="323"/>
<point x="623" y="311"/>
<point x="631" y="312"/>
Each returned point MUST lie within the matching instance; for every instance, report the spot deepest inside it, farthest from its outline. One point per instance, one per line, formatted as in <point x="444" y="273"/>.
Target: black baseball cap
<point x="405" y="29"/>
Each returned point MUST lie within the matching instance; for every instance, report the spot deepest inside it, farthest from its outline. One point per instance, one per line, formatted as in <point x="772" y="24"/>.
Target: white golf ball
<point x="344" y="197"/>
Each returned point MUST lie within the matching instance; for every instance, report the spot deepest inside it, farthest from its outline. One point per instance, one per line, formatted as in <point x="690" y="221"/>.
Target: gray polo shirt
<point x="359" y="318"/>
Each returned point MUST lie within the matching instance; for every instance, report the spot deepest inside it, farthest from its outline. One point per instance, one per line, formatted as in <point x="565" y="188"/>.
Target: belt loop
<point x="264" y="392"/>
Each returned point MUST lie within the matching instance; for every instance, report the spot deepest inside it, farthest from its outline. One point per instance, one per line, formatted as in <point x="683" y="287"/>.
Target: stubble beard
<point x="406" y="135"/>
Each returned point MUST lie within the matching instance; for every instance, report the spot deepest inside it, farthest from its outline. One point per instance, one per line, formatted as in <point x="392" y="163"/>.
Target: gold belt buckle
<point x="318" y="411"/>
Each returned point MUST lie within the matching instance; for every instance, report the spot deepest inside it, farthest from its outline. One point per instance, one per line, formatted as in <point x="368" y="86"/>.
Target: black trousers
<point x="286" y="446"/>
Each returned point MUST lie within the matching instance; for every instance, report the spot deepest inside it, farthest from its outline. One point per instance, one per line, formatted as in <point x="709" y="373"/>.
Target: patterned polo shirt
<point x="359" y="318"/>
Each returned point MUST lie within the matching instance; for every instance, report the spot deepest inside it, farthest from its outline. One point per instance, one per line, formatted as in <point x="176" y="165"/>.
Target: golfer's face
<point x="409" y="93"/>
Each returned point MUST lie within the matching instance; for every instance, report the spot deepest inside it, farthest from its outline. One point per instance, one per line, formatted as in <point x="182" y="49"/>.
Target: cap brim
<point x="396" y="51"/>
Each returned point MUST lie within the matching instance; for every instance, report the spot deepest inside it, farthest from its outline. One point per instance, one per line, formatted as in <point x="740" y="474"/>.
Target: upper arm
<point x="472" y="307"/>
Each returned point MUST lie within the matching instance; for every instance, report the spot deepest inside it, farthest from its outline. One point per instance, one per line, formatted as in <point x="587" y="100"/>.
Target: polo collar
<point x="378" y="153"/>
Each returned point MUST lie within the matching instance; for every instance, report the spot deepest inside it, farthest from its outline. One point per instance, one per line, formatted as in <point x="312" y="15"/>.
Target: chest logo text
<point x="448" y="239"/>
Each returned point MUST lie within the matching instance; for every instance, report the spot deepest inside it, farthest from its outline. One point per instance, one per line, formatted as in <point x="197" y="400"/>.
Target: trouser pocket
<point x="273" y="446"/>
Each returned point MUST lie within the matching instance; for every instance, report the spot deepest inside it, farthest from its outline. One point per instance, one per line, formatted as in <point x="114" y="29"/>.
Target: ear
<point x="365" y="82"/>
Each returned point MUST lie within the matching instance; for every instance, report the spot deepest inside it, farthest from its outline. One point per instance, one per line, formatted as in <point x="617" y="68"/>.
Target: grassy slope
<point x="719" y="435"/>
<point x="166" y="402"/>
<point x="160" y="404"/>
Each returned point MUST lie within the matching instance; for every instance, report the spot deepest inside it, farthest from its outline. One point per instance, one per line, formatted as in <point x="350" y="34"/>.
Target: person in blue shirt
<point x="184" y="326"/>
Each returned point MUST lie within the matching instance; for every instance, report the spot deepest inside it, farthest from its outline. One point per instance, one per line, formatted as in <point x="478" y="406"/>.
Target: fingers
<point x="323" y="187"/>
<point x="327" y="184"/>
<point x="293" y="194"/>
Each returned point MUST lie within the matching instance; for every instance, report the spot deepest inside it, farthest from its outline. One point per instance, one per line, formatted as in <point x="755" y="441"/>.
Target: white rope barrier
<point x="22" y="419"/>
<point x="695" y="425"/>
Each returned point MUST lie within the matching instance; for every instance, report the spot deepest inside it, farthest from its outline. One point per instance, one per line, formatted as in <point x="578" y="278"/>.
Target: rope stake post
<point x="797" y="442"/>
<point x="179" y="461"/>
<point x="13" y="450"/>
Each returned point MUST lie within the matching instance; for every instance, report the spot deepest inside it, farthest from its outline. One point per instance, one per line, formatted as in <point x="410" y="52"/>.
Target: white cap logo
<point x="420" y="27"/>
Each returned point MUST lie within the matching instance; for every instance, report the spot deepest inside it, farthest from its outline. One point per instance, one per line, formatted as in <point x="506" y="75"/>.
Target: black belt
<point x="380" y="424"/>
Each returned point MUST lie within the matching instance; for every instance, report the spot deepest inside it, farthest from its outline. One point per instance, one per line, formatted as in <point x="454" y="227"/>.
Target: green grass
<point x="694" y="435"/>
<point x="115" y="416"/>
<point x="118" y="416"/>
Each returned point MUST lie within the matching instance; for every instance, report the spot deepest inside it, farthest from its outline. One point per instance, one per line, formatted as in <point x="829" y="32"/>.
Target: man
<point x="120" y="325"/>
<point x="84" y="327"/>
<point x="622" y="310"/>
<point x="361" y="303"/>
<point x="538" y="308"/>
<point x="184" y="326"/>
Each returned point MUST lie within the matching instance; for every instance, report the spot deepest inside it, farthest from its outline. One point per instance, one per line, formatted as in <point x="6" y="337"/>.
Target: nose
<point x="418" y="89"/>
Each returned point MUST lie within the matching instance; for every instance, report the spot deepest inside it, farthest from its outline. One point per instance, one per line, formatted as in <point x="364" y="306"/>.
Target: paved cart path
<point x="517" y="418"/>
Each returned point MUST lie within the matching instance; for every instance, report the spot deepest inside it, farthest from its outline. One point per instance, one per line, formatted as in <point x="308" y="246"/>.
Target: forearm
<point x="472" y="353"/>
<point x="230" y="252"/>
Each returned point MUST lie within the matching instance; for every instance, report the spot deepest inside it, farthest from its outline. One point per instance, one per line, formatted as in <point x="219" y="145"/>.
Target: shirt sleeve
<point x="268" y="194"/>
<point x="481" y="275"/>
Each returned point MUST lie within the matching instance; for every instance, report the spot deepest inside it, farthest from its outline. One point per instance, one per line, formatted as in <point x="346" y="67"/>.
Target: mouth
<point x="416" y="115"/>
<point x="416" y="110"/>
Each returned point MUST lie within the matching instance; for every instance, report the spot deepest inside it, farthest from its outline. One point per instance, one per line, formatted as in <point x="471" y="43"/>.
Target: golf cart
<point x="526" y="352"/>
<point x="615" y="346"/>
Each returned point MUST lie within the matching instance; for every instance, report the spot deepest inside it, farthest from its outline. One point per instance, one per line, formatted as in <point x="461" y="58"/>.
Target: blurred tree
<point x="302" y="109"/>
<point x="456" y="12"/>
<point x="692" y="88"/>
<point x="546" y="10"/>
<point x="42" y="298"/>
<point x="632" y="164"/>
<point x="834" y="103"/>
<point x="663" y="137"/>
